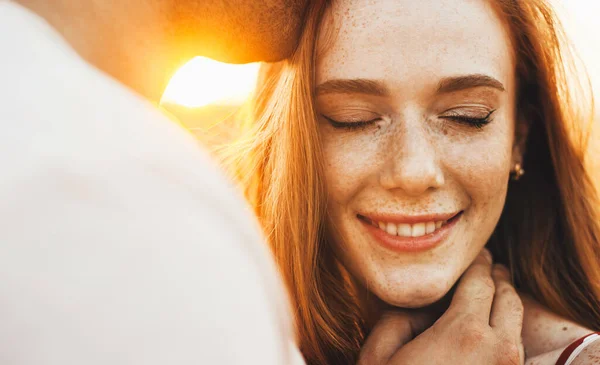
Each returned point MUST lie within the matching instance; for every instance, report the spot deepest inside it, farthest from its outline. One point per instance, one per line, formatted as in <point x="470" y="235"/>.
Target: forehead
<point x="408" y="42"/>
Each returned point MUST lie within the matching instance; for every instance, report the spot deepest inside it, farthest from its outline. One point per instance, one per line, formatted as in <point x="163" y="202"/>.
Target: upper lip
<point x="409" y="219"/>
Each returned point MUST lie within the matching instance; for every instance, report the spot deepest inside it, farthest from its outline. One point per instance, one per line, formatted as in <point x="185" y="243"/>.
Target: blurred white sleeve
<point x="131" y="268"/>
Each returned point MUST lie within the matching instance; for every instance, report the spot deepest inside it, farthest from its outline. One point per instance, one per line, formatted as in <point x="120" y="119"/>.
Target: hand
<point x="481" y="326"/>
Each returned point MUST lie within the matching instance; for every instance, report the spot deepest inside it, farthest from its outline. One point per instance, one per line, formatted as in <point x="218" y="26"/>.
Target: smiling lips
<point x="410" y="233"/>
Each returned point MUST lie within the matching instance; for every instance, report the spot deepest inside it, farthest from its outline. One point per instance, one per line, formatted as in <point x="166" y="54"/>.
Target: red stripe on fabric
<point x="562" y="359"/>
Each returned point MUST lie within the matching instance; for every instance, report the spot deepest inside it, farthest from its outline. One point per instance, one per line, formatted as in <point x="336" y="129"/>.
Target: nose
<point x="412" y="165"/>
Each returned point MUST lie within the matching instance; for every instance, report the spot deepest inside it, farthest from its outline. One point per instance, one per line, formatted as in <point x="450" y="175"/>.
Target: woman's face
<point x="417" y="120"/>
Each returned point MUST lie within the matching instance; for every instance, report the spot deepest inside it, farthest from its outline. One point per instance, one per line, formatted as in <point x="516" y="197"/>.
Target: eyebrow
<point x="353" y="86"/>
<point x="451" y="84"/>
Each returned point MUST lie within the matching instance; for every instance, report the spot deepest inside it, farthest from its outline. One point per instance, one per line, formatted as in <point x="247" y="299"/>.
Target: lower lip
<point x="412" y="244"/>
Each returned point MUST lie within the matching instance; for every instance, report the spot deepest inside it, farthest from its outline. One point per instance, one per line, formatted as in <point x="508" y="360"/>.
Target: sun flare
<point x="203" y="81"/>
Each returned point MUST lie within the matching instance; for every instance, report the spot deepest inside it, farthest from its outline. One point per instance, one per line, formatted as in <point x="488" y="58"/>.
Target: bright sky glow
<point x="580" y="18"/>
<point x="203" y="81"/>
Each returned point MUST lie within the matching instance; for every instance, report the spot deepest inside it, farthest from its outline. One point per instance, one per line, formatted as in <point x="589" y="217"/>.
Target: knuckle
<point x="483" y="289"/>
<point x="487" y="283"/>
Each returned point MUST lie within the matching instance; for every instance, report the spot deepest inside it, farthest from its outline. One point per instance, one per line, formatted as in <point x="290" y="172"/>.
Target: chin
<point x="413" y="295"/>
<point x="418" y="300"/>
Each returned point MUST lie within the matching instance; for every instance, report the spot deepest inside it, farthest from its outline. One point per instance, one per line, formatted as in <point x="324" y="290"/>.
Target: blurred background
<point x="204" y="93"/>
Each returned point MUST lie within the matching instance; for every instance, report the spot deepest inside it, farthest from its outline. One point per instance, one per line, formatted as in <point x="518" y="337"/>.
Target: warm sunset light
<point x="580" y="19"/>
<point x="203" y="81"/>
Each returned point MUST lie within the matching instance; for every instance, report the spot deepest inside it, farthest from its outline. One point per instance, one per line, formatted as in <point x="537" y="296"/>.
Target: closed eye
<point x="351" y="124"/>
<point x="477" y="122"/>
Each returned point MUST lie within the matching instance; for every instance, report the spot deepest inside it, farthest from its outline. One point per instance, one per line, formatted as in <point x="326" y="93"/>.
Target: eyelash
<point x="351" y="125"/>
<point x="478" y="123"/>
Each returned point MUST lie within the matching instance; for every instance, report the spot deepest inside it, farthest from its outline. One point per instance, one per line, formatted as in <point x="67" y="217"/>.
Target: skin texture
<point x="413" y="160"/>
<point x="141" y="43"/>
<point x="546" y="335"/>
<point x="487" y="322"/>
<point x="481" y="326"/>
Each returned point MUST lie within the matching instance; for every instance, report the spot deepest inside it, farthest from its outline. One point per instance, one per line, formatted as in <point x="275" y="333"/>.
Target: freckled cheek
<point x="482" y="170"/>
<point x="350" y="164"/>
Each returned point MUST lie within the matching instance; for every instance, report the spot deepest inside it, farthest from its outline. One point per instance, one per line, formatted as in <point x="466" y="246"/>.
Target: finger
<point x="521" y="353"/>
<point x="475" y="291"/>
<point x="394" y="329"/>
<point x="507" y="309"/>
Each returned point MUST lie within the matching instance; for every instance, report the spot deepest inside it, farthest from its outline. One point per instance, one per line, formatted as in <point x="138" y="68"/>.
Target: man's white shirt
<point x="120" y="243"/>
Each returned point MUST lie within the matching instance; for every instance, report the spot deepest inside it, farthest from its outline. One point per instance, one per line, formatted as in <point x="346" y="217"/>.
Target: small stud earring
<point x="517" y="172"/>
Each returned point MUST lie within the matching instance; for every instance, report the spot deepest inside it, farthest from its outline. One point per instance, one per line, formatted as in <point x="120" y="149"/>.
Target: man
<point x="119" y="241"/>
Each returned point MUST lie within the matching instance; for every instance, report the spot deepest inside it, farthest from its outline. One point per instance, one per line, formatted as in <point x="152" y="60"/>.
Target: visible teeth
<point x="404" y="230"/>
<point x="418" y="229"/>
<point x="430" y="227"/>
<point x="392" y="229"/>
<point x="408" y="230"/>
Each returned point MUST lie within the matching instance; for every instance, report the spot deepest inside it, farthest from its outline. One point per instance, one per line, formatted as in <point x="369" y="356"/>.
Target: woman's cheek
<point x="350" y="161"/>
<point x="481" y="169"/>
<point x="479" y="158"/>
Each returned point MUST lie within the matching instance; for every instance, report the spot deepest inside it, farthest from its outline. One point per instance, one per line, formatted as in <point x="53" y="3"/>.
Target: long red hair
<point x="549" y="231"/>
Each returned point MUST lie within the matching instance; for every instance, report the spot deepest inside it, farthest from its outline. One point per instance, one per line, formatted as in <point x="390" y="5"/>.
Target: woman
<point x="392" y="147"/>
